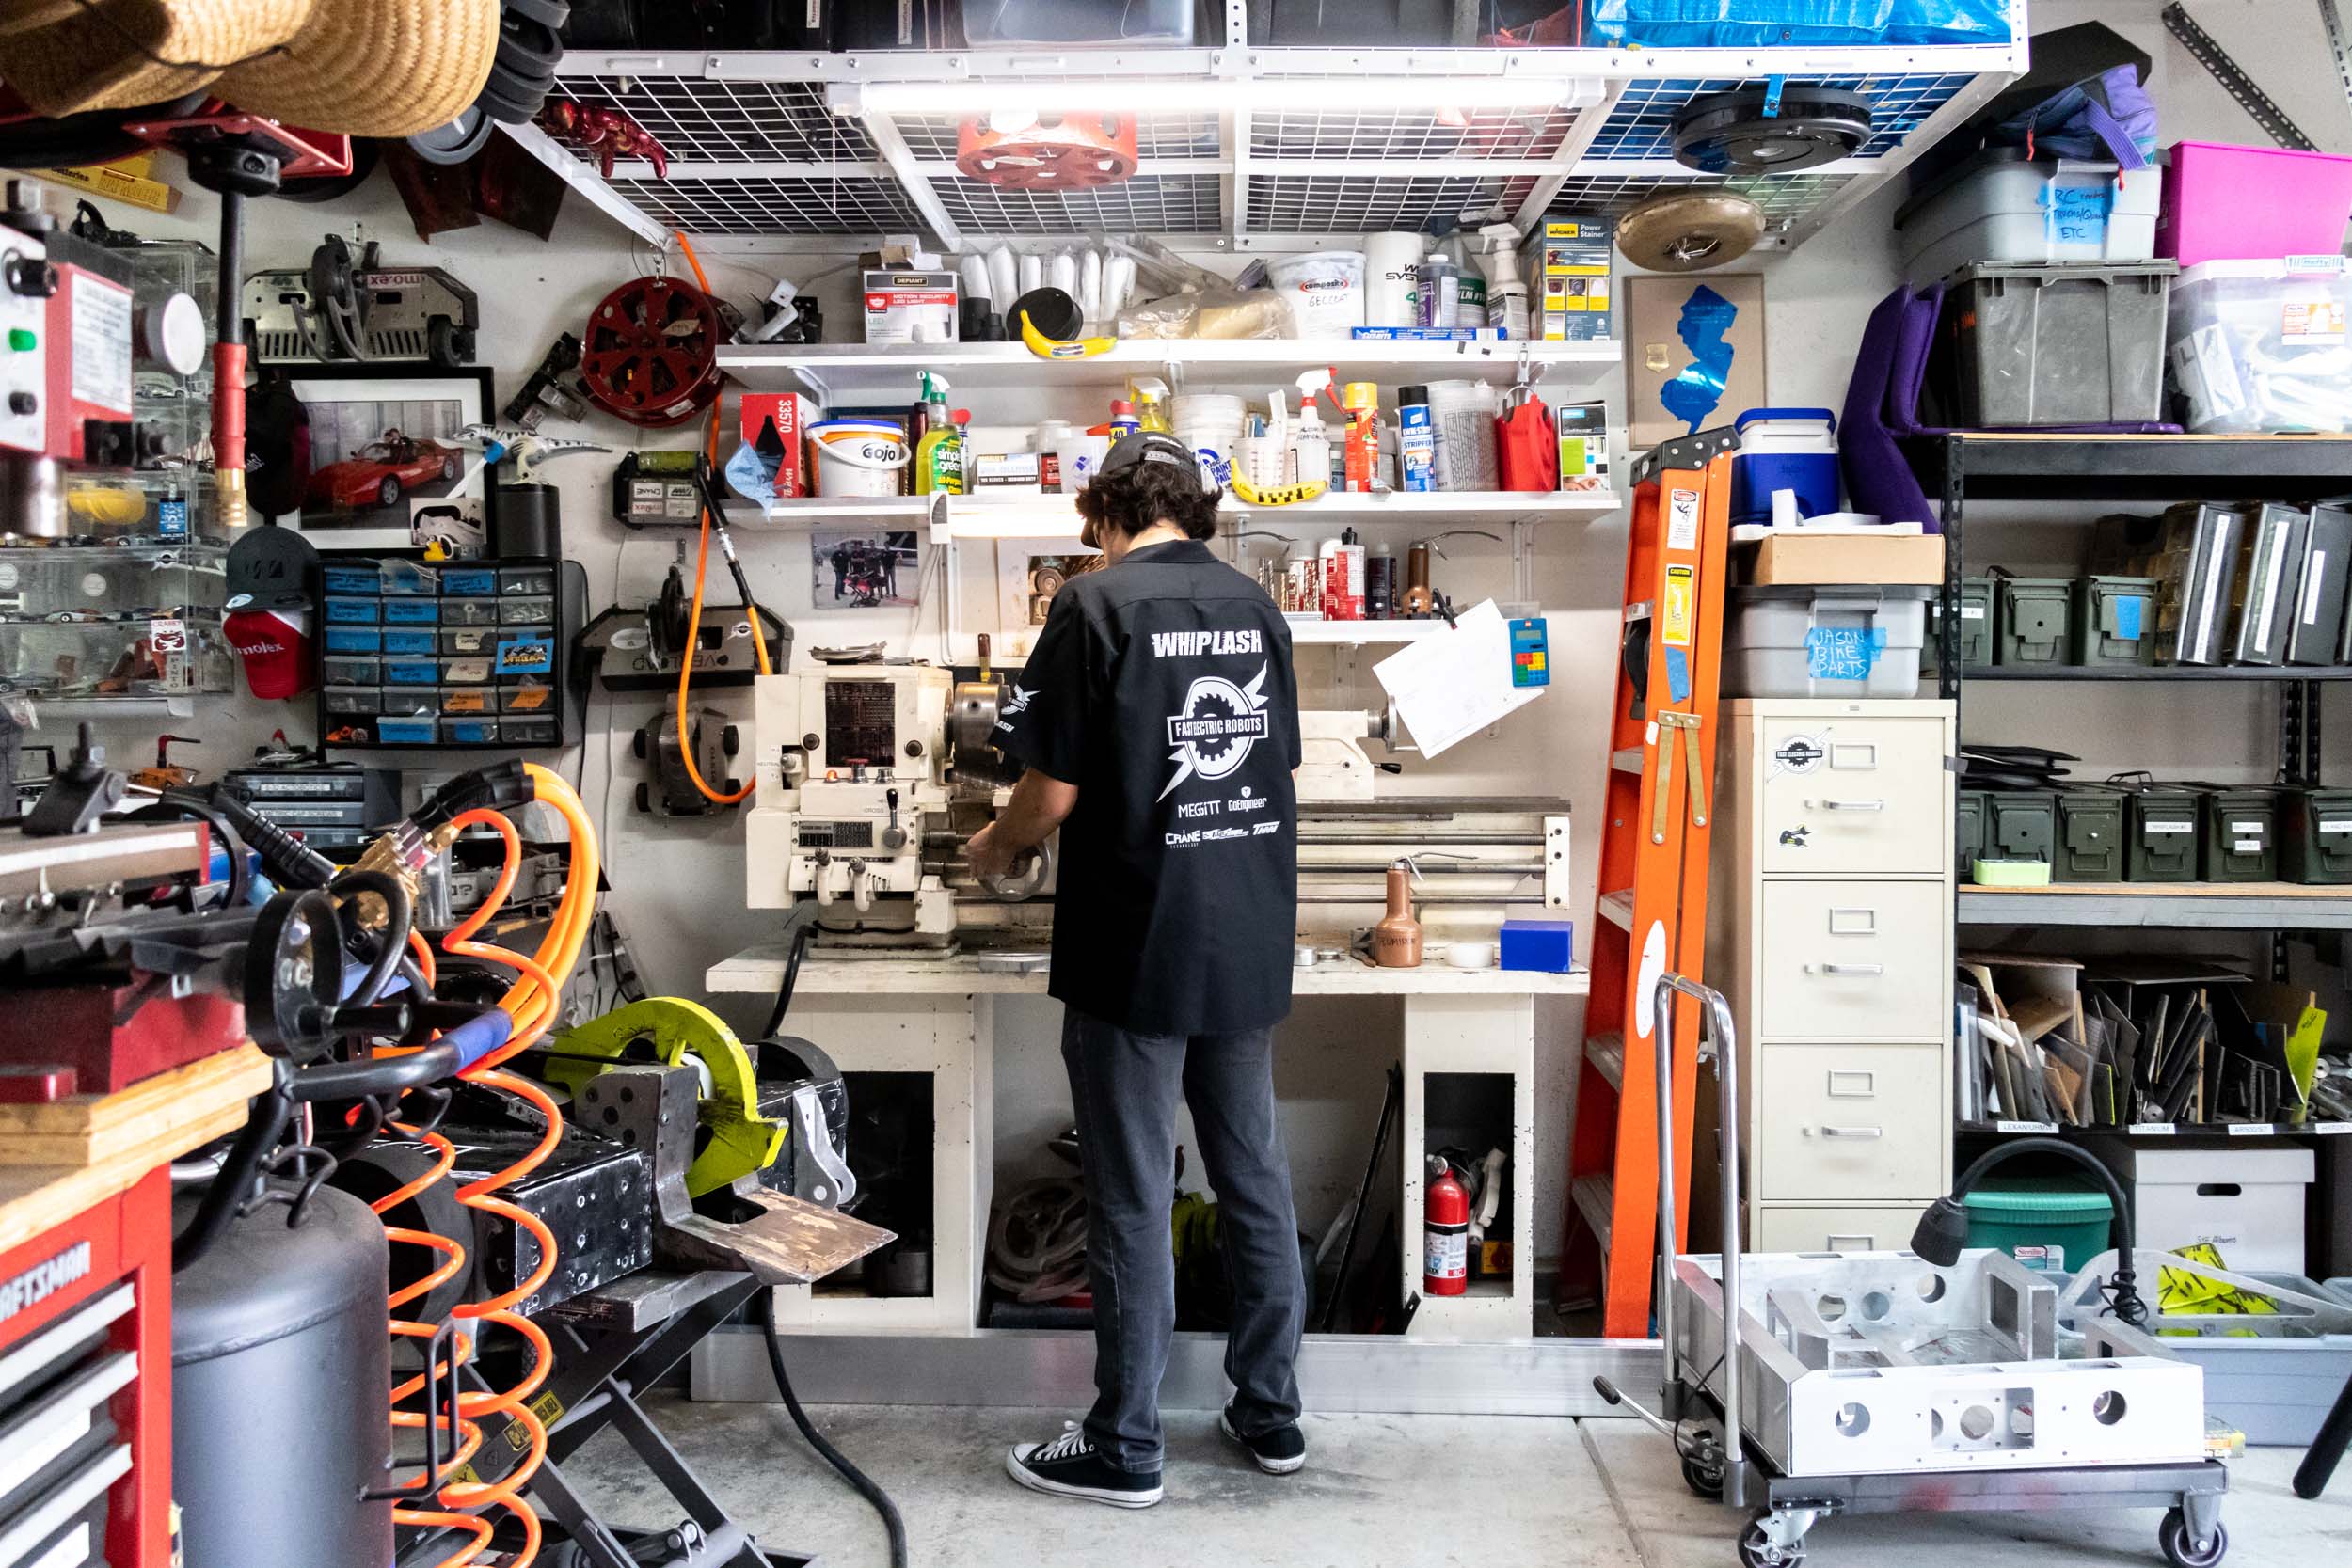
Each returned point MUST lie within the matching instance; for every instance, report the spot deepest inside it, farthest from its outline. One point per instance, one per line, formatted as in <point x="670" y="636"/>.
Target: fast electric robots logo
<point x="1219" y="724"/>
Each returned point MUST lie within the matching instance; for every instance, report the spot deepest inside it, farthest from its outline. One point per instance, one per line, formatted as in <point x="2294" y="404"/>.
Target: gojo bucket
<point x="859" y="463"/>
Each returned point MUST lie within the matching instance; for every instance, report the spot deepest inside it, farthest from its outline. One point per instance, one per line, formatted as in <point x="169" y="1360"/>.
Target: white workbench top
<point x="759" y="970"/>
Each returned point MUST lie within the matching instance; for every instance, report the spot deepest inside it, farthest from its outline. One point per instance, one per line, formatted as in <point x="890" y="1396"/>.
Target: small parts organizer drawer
<point x="1835" y="1122"/>
<point x="1852" y="961"/>
<point x="1861" y="795"/>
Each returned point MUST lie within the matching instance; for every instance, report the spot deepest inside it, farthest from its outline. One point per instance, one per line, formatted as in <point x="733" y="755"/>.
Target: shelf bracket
<point x="892" y="145"/>
<point x="589" y="183"/>
<point x="1572" y="148"/>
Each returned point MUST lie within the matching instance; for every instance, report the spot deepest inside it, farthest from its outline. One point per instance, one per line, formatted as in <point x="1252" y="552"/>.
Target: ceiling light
<point x="1266" y="95"/>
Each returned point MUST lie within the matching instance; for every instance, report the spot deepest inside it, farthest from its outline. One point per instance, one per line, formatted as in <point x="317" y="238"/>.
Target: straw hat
<point x="372" y="68"/>
<point x="69" y="56"/>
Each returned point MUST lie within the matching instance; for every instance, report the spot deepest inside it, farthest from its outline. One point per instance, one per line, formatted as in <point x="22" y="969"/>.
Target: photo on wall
<point x="864" y="569"/>
<point x="384" y="448"/>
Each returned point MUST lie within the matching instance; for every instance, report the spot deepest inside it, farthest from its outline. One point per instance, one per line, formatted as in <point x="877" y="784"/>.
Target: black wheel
<point x="441" y="346"/>
<point x="1703" y="1475"/>
<point x="1757" y="1551"/>
<point x="2173" y="1537"/>
<point x="637" y="744"/>
<point x="730" y="785"/>
<point x="645" y="796"/>
<point x="388" y="493"/>
<point x="730" y="740"/>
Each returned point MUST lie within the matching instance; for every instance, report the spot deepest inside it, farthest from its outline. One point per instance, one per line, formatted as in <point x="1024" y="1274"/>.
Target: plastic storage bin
<point x="2090" y="842"/>
<point x="2053" y="345"/>
<point x="1396" y="24"/>
<point x="2030" y="620"/>
<point x="2241" y="835"/>
<point x="2225" y="203"/>
<point x="2003" y="207"/>
<point x="2259" y="346"/>
<point x="1784" y="449"/>
<point x="1058" y="23"/>
<point x="1811" y="641"/>
<point x="2163" y="831"/>
<point x="2315" y="835"/>
<point x="2046" y="1222"/>
<point x="2112" y="620"/>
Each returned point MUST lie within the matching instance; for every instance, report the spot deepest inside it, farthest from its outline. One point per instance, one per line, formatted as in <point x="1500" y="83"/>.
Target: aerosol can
<point x="1445" y="1233"/>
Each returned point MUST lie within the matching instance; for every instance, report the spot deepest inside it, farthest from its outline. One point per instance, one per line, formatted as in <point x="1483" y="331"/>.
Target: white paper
<point x="1453" y="684"/>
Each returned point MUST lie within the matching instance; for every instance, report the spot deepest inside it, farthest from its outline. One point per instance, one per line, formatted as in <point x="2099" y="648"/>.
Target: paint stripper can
<point x="1416" y="440"/>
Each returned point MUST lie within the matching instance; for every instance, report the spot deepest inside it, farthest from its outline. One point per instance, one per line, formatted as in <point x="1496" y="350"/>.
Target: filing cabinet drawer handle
<point x="1860" y="1242"/>
<point x="1842" y="1082"/>
<point x="1850" y="969"/>
<point x="1829" y="1131"/>
<point x="1851" y="922"/>
<point x="1852" y="753"/>
<point x="1851" y="805"/>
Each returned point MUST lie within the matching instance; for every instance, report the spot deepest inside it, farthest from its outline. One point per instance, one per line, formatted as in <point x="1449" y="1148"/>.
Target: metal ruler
<point x="2256" y="102"/>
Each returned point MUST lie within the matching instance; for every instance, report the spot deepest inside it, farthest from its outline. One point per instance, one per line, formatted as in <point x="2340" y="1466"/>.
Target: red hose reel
<point x="650" y="353"/>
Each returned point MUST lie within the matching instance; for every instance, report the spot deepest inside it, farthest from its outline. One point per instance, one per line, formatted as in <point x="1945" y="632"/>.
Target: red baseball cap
<point x="276" y="647"/>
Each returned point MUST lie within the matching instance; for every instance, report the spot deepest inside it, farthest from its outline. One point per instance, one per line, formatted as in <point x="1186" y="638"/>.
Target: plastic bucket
<point x="2067" y="1221"/>
<point x="860" y="464"/>
<point x="1326" y="289"/>
<point x="1392" y="277"/>
<point x="1077" y="455"/>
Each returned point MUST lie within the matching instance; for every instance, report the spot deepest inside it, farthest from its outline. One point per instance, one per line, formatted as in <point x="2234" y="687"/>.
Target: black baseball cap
<point x="272" y="568"/>
<point x="1147" y="446"/>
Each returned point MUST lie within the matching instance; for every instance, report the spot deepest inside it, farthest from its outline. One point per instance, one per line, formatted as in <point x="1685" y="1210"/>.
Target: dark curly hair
<point x="1135" y="498"/>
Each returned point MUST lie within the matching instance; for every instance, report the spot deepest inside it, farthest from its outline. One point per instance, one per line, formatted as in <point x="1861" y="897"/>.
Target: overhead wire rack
<point x="1240" y="148"/>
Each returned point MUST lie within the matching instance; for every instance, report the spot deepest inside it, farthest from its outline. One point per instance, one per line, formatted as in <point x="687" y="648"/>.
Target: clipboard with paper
<point x="1456" y="681"/>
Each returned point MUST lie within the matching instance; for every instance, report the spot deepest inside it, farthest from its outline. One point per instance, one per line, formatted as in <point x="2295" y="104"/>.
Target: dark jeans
<point x="1124" y="1087"/>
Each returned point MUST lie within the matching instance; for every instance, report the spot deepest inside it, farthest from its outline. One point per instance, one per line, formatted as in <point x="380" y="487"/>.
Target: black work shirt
<point x="1162" y="689"/>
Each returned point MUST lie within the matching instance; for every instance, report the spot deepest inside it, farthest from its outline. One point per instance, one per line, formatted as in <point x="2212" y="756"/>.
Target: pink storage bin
<point x="2225" y="203"/>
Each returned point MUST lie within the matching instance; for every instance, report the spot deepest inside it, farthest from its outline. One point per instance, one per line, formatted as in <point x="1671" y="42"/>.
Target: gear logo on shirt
<point x="1018" y="702"/>
<point x="1219" y="724"/>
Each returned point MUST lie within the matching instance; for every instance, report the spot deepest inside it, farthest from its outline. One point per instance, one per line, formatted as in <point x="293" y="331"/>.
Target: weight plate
<point x="455" y="142"/>
<point x="548" y="13"/>
<point x="529" y="45"/>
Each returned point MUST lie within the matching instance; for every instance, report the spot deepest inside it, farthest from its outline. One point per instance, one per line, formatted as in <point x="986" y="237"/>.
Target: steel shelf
<point x="2199" y="906"/>
<point x="2198" y="1132"/>
<point x="783" y="143"/>
<point x="2103" y="672"/>
<point x="2028" y="467"/>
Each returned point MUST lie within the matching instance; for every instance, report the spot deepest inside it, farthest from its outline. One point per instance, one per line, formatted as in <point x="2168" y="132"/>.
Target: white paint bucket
<point x="1326" y="289"/>
<point x="860" y="463"/>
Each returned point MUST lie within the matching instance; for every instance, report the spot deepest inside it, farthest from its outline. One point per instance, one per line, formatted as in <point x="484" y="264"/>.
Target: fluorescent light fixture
<point x="1262" y="95"/>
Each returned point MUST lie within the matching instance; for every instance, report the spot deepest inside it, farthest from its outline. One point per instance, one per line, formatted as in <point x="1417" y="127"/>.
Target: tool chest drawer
<point x="1841" y="1229"/>
<point x="1854" y="795"/>
<point x="1842" y="1122"/>
<point x="1852" y="961"/>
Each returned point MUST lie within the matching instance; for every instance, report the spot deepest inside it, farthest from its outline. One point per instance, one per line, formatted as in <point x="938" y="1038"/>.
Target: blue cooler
<point x="1784" y="449"/>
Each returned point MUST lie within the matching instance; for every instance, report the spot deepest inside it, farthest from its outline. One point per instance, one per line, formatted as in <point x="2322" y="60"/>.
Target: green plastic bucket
<point x="2068" y="1221"/>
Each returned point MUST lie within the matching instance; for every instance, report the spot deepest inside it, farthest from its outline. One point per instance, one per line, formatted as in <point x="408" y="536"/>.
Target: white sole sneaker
<point x="1026" y="1477"/>
<point x="1271" y="1466"/>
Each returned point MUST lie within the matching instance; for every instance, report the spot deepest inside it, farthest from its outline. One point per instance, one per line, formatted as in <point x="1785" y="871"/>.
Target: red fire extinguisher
<point x="1445" y="1233"/>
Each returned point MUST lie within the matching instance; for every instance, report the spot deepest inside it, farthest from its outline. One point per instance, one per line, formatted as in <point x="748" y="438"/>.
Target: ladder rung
<point x="1607" y="1054"/>
<point x="1618" y="908"/>
<point x="1596" y="1199"/>
<point x="1628" y="761"/>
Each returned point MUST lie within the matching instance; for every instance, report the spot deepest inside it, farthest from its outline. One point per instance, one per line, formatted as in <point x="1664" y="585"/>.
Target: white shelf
<point x="1356" y="634"/>
<point x="905" y="511"/>
<point x="1037" y="516"/>
<point x="859" y="373"/>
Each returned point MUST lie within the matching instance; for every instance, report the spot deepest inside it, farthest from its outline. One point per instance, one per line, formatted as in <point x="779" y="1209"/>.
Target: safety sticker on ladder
<point x="1842" y="653"/>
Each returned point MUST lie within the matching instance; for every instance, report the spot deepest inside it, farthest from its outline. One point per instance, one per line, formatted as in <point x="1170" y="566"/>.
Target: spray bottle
<point x="938" y="452"/>
<point x="1311" y="444"/>
<point x="1506" y="291"/>
<point x="1151" y="411"/>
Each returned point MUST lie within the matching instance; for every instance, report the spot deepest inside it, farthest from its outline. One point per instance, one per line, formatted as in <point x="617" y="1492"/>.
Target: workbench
<point x="936" y="1016"/>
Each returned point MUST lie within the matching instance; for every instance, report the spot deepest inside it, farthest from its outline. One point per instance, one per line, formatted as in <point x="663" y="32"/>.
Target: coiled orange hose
<point x="533" y="1001"/>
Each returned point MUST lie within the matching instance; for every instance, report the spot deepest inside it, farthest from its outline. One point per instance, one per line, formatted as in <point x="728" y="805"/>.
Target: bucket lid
<point x="2042" y="1196"/>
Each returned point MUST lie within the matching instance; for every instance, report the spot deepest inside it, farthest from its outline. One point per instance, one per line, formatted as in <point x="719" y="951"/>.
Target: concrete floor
<point x="1378" y="1492"/>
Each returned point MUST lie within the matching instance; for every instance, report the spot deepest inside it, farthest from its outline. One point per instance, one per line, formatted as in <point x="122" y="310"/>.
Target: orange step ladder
<point x="1652" y="905"/>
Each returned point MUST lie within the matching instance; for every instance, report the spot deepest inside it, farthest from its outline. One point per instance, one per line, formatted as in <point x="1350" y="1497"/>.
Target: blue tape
<point x="2127" y="617"/>
<point x="1771" y="95"/>
<point x="1677" y="676"/>
<point x="1842" y="653"/>
<point x="1705" y="327"/>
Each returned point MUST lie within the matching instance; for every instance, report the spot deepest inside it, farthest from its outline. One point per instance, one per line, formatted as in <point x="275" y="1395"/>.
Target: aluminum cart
<point x="1879" y="1382"/>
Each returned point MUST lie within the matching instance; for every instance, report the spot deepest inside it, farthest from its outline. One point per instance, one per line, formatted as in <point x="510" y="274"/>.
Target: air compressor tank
<point x="280" y="1389"/>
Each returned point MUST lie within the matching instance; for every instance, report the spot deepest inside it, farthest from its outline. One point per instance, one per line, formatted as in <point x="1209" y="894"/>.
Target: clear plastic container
<point x="1063" y="22"/>
<point x="1825" y="641"/>
<point x="2259" y="346"/>
<point x="2001" y="206"/>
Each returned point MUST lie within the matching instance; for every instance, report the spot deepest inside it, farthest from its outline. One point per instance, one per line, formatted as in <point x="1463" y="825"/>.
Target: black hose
<point x="799" y="926"/>
<point x="291" y="862"/>
<point x="263" y="1126"/>
<point x="392" y="942"/>
<point x="764" y="1309"/>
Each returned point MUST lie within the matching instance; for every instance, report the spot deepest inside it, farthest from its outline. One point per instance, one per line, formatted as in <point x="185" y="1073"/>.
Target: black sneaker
<point x="1072" y="1466"/>
<point x="1276" y="1452"/>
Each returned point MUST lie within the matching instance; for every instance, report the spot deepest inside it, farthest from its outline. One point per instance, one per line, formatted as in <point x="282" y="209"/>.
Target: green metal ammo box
<point x="2114" y="621"/>
<point x="2020" y="824"/>
<point x="2315" y="835"/>
<point x="1968" y="831"/>
<point x="1976" y="626"/>
<point x="2162" y="835"/>
<point x="2030" y="620"/>
<point x="2089" y="844"/>
<point x="2241" y="835"/>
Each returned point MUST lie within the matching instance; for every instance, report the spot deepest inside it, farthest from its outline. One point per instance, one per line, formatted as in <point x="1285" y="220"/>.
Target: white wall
<point x="675" y="883"/>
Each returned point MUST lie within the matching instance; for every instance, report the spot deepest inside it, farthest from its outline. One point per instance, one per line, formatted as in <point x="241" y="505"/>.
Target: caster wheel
<point x="645" y="796"/>
<point x="1757" y="1551"/>
<point x="2179" y="1550"/>
<point x="730" y="740"/>
<point x="1704" y="1476"/>
<point x="637" y="745"/>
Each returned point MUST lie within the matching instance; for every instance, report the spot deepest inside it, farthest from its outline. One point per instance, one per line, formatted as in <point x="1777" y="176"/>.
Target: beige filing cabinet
<point x="1831" y="933"/>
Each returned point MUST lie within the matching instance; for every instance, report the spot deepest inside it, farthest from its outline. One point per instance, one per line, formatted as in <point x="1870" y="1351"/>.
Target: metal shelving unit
<point x="1262" y="148"/>
<point x="2255" y="673"/>
<point x="2186" y="906"/>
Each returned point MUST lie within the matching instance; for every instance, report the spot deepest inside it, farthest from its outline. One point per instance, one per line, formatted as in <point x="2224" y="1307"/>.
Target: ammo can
<point x="2090" y="842"/>
<point x="1968" y="831"/>
<point x="2162" y="835"/>
<point x="1976" y="626"/>
<point x="2241" y="834"/>
<point x="2113" y="620"/>
<point x="2020" y="824"/>
<point x="2315" y="835"/>
<point x="2030" y="620"/>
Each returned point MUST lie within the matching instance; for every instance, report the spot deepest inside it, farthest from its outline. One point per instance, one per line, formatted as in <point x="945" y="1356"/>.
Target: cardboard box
<point x="1841" y="558"/>
<point x="1566" y="262"/>
<point x="1708" y="324"/>
<point x="1583" y="432"/>
<point x="792" y="414"/>
<point x="907" y="307"/>
<point x="1005" y="473"/>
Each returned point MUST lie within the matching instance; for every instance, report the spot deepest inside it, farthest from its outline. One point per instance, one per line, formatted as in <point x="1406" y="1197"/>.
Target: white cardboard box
<point x="2248" y="1203"/>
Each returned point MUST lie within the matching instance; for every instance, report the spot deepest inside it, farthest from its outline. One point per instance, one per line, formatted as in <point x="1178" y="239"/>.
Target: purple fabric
<point x="1878" y="480"/>
<point x="1915" y="335"/>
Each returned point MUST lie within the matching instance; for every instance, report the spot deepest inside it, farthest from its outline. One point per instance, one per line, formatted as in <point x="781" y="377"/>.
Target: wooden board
<point x="149" y="1117"/>
<point x="33" y="1197"/>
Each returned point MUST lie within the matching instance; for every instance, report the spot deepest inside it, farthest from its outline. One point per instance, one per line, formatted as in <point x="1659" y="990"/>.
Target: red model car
<point x="377" y="473"/>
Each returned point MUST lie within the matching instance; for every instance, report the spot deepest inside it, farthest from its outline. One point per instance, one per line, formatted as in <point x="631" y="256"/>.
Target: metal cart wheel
<point x="2183" y="1551"/>
<point x="1703" y="1467"/>
<point x="1757" y="1549"/>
